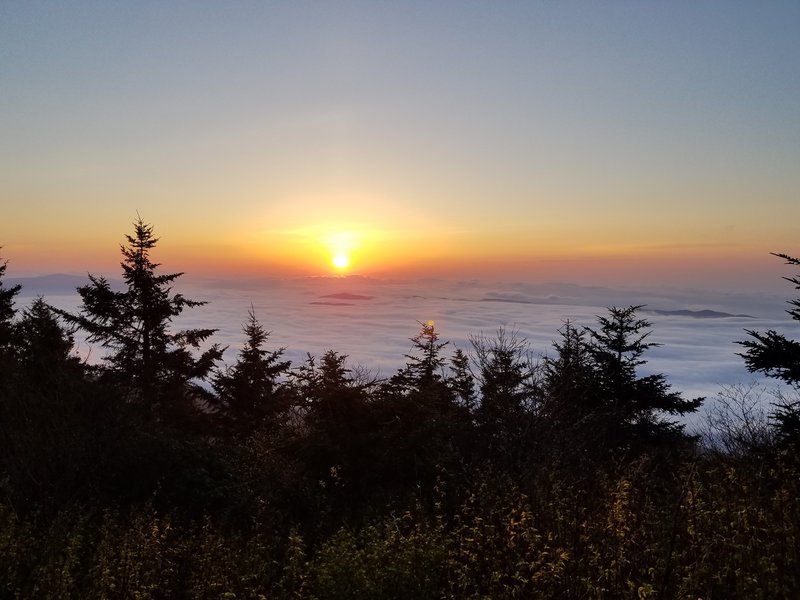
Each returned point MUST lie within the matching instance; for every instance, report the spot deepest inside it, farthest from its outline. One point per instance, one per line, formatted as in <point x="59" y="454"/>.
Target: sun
<point x="340" y="246"/>
<point x="341" y="261"/>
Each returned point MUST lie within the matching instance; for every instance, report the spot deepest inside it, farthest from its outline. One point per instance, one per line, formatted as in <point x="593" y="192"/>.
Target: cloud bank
<point x="372" y="320"/>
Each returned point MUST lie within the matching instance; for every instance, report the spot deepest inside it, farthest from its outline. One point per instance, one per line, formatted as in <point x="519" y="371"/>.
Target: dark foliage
<point x="508" y="394"/>
<point x="152" y="365"/>
<point x="7" y="312"/>
<point x="775" y="355"/>
<point x="249" y="394"/>
<point x="462" y="381"/>
<point x="484" y="474"/>
<point x="423" y="423"/>
<point x="572" y="410"/>
<point x="632" y="406"/>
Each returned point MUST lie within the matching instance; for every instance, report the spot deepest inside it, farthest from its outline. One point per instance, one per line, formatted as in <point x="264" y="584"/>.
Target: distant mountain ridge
<point x="57" y="284"/>
<point x="698" y="314"/>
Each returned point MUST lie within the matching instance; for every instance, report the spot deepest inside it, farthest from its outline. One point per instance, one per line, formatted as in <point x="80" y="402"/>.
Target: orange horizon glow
<point x="340" y="251"/>
<point x="340" y="248"/>
<point x="361" y="137"/>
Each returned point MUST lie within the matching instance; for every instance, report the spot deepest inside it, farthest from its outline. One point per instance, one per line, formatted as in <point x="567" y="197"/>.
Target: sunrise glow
<point x="340" y="244"/>
<point x="360" y="142"/>
<point x="340" y="261"/>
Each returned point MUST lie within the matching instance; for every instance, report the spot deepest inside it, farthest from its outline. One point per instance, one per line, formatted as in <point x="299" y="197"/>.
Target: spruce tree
<point x="462" y="382"/>
<point x="7" y="313"/>
<point x="569" y="398"/>
<point x="337" y="441"/>
<point x="508" y="394"/>
<point x="425" y="366"/>
<point x="505" y="374"/>
<point x="154" y="365"/>
<point x="45" y="347"/>
<point x="777" y="356"/>
<point x="424" y="423"/>
<point x="249" y="393"/>
<point x="633" y="406"/>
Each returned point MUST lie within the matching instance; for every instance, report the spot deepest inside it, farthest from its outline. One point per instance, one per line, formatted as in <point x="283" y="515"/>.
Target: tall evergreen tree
<point x="338" y="441"/>
<point x="569" y="398"/>
<point x="249" y="393"/>
<point x="155" y="365"/>
<point x="52" y="420"/>
<point x="424" y="423"/>
<point x="777" y="356"/>
<point x="505" y="375"/>
<point x="7" y="313"/>
<point x="462" y="382"/>
<point x="633" y="406"/>
<point x="508" y="394"/>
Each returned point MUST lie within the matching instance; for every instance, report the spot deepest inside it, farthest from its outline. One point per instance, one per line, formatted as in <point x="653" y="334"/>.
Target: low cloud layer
<point x="372" y="320"/>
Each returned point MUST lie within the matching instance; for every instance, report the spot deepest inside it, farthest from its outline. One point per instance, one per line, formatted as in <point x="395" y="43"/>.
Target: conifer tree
<point x="339" y="425"/>
<point x="7" y="313"/>
<point x="507" y="393"/>
<point x="505" y="376"/>
<point x="331" y="402"/>
<point x="633" y="406"/>
<point x="462" y="382"/>
<point x="249" y="393"/>
<point x="152" y="363"/>
<point x="425" y="365"/>
<point x="424" y="424"/>
<point x="422" y="384"/>
<point x="45" y="347"/>
<point x="319" y="383"/>
<point x="568" y="380"/>
<point x="777" y="356"/>
<point x="572" y="415"/>
<point x="50" y="418"/>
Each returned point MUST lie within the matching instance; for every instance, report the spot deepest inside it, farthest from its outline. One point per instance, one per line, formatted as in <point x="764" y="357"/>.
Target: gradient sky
<point x="566" y="140"/>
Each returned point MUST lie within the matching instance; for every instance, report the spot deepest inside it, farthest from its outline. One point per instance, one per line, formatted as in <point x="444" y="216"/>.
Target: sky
<point x="573" y="141"/>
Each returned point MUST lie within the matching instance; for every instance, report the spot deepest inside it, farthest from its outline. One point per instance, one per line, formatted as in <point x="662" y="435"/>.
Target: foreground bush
<point x="717" y="531"/>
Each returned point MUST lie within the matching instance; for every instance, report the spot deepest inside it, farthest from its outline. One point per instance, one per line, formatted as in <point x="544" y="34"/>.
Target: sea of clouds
<point x="372" y="320"/>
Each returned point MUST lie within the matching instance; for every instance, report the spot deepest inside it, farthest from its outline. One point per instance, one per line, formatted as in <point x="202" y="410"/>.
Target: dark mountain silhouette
<point x="53" y="284"/>
<point x="698" y="314"/>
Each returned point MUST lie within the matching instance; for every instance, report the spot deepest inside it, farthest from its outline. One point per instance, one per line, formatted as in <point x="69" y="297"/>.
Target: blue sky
<point x="443" y="137"/>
